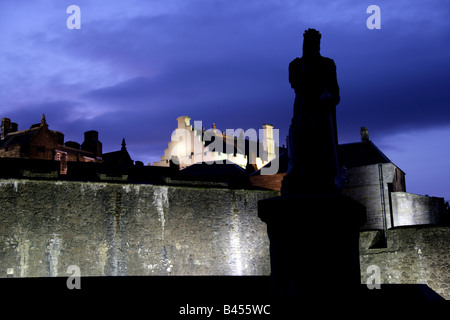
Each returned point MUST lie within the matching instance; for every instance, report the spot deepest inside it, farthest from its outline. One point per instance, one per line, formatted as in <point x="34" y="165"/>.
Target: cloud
<point x="135" y="66"/>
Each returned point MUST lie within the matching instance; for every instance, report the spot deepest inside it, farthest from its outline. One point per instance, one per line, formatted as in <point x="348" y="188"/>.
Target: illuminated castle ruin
<point x="193" y="144"/>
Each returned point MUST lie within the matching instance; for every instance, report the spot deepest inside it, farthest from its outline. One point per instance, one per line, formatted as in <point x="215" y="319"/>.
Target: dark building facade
<point x="39" y="142"/>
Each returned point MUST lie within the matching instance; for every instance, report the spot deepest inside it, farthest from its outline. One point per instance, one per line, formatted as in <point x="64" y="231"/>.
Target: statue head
<point x="311" y="43"/>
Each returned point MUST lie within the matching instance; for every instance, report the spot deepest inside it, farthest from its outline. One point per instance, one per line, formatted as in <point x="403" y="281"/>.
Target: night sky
<point x="136" y="65"/>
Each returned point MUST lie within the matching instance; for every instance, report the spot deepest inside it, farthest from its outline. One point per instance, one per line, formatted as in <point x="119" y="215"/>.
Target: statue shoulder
<point x="296" y="61"/>
<point x="328" y="62"/>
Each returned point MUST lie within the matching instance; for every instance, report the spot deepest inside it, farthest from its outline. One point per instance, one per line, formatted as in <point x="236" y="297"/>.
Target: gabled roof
<point x="121" y="156"/>
<point x="360" y="154"/>
<point x="118" y="157"/>
<point x="24" y="137"/>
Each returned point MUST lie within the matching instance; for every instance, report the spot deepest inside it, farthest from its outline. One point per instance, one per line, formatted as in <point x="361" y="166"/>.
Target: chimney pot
<point x="6" y="127"/>
<point x="364" y="134"/>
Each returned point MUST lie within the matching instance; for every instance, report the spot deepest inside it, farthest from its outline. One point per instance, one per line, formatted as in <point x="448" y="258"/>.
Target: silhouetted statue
<point x="313" y="165"/>
<point x="310" y="197"/>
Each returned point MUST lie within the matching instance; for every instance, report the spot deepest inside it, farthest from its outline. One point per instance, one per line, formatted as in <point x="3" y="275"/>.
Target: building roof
<point x="360" y="154"/>
<point x="350" y="155"/>
<point x="215" y="169"/>
<point x="118" y="157"/>
<point x="18" y="138"/>
<point x="24" y="137"/>
<point x="115" y="156"/>
<point x="81" y="152"/>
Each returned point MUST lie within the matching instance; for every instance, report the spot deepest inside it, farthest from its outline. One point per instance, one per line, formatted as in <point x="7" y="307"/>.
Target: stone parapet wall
<point x="416" y="254"/>
<point x="118" y="229"/>
<point x="413" y="209"/>
<point x="125" y="229"/>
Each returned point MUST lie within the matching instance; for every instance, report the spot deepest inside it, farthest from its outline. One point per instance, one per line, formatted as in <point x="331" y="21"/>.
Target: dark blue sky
<point x="136" y="65"/>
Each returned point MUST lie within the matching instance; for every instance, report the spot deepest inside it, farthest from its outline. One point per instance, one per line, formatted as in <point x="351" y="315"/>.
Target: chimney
<point x="6" y="127"/>
<point x="184" y="122"/>
<point x="14" y="127"/>
<point x="364" y="134"/>
<point x="91" y="143"/>
<point x="268" y="142"/>
<point x="43" y="121"/>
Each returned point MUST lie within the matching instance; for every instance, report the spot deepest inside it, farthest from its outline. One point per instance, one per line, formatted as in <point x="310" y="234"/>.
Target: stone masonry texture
<point x="124" y="229"/>
<point x="415" y="254"/>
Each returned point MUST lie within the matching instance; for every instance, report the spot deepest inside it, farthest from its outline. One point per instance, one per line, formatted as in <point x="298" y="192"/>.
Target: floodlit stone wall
<point x="125" y="229"/>
<point x="118" y="229"/>
<point x="413" y="209"/>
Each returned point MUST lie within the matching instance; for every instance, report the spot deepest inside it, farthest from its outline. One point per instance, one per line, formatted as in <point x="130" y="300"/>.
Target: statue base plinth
<point x="314" y="244"/>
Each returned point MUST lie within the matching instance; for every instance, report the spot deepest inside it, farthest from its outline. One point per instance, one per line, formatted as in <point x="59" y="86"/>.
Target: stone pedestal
<point x="314" y="245"/>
